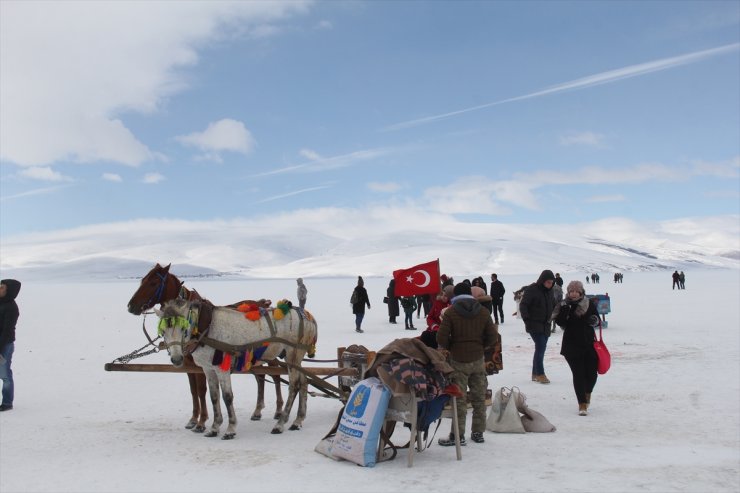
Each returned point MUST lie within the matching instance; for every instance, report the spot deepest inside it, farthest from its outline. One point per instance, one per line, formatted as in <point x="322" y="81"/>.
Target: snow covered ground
<point x="665" y="418"/>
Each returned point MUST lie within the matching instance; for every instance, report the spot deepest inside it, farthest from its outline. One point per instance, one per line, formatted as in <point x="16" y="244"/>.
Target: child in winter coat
<point x="409" y="307"/>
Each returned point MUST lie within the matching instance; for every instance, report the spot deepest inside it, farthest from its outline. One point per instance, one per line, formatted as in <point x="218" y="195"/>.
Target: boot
<point x="583" y="409"/>
<point x="450" y="441"/>
<point x="588" y="399"/>
<point x="534" y="377"/>
<point x="543" y="378"/>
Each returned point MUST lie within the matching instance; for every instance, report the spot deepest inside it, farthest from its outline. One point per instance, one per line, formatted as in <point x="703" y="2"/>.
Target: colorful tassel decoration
<point x="226" y="363"/>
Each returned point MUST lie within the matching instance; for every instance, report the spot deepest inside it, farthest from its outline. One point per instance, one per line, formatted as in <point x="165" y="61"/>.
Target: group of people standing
<point x="463" y="320"/>
<point x="679" y="280"/>
<point x="544" y="303"/>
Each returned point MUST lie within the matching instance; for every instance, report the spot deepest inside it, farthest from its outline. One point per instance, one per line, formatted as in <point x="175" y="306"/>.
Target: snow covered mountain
<point x="286" y="248"/>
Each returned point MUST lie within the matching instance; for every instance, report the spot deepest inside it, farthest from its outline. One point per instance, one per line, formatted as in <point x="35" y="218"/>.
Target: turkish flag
<point x="419" y="279"/>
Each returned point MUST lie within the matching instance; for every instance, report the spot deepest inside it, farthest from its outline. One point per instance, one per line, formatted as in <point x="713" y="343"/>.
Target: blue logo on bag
<point x="356" y="406"/>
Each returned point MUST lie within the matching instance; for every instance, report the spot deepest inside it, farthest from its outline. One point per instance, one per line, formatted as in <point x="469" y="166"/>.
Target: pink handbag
<point x="602" y="353"/>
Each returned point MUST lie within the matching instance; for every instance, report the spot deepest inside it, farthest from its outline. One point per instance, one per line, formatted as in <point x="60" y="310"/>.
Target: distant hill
<point x="239" y="249"/>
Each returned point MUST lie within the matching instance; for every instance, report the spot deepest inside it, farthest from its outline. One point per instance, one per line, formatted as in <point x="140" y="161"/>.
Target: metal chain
<point x="136" y="353"/>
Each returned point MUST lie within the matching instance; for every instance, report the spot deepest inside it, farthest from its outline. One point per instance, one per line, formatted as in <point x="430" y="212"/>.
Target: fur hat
<point x="449" y="291"/>
<point x="477" y="292"/>
<point x="576" y="286"/>
<point x="462" y="288"/>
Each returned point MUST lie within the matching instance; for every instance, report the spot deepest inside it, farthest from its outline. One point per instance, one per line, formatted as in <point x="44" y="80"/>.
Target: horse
<point x="238" y="336"/>
<point x="158" y="286"/>
<point x="518" y="294"/>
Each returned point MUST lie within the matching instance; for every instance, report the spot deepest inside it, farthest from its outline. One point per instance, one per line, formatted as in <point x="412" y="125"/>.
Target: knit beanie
<point x="462" y="288"/>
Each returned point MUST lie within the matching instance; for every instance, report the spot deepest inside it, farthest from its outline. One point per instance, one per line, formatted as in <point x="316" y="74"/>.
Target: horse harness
<point x="204" y="315"/>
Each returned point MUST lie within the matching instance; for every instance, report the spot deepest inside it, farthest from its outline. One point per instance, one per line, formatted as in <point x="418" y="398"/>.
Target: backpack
<point x="354" y="299"/>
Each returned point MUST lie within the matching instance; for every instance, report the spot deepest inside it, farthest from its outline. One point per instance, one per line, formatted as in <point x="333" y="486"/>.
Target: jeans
<point x="358" y="320"/>
<point x="540" y="344"/>
<point x="6" y="374"/>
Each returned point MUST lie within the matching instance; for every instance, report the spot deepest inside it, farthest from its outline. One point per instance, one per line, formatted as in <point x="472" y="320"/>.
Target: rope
<point x="136" y="354"/>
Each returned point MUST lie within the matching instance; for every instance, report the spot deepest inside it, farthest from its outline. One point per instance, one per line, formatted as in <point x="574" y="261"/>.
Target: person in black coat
<point x="9" y="313"/>
<point x="578" y="316"/>
<point x="358" y="300"/>
<point x="536" y="309"/>
<point x="393" y="309"/>
<point x="497" y="298"/>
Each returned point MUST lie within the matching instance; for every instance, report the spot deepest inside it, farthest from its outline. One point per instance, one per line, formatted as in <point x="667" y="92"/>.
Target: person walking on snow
<point x="302" y="292"/>
<point x="9" y="313"/>
<point x="536" y="309"/>
<point x="577" y="315"/>
<point x="359" y="300"/>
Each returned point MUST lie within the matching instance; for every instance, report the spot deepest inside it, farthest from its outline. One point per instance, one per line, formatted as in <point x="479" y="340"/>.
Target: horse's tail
<point x="312" y="348"/>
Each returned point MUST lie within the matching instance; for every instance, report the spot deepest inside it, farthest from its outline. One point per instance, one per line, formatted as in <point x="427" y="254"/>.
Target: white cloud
<point x="112" y="177"/>
<point x="318" y="163"/>
<point x="43" y="173"/>
<point x="720" y="169"/>
<point x="295" y="192"/>
<point x="480" y="195"/>
<point x="86" y="64"/>
<point x="324" y="24"/>
<point x="31" y="193"/>
<point x="387" y="187"/>
<point x="153" y="178"/>
<point x="309" y="154"/>
<point x="583" y="138"/>
<point x="596" y="199"/>
<point x="476" y="195"/>
<point x="586" y="82"/>
<point x="223" y="135"/>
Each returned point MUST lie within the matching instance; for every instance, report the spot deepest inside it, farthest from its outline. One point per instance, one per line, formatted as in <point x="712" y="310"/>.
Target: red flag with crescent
<point x="419" y="279"/>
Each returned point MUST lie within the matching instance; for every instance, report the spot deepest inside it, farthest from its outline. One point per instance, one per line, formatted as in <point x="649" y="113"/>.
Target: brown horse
<point x="158" y="286"/>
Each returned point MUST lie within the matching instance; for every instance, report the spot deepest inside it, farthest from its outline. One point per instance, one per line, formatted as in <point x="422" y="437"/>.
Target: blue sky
<point x="501" y="112"/>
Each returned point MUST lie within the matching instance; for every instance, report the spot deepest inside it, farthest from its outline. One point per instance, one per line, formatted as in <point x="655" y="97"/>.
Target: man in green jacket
<point x="465" y="332"/>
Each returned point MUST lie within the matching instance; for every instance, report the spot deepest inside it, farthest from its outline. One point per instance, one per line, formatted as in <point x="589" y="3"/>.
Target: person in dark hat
<point x="9" y="289"/>
<point x="536" y="309"/>
<point x="465" y="332"/>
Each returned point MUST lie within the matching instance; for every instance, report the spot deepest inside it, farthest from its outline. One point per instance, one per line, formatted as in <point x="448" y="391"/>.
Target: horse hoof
<point x="191" y="424"/>
<point x="199" y="429"/>
<point x="276" y="431"/>
<point x="211" y="434"/>
<point x="294" y="427"/>
<point x="256" y="418"/>
<point x="228" y="436"/>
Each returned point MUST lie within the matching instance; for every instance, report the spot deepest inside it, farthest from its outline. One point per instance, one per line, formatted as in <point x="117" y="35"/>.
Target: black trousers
<point x="583" y="366"/>
<point x="498" y="310"/>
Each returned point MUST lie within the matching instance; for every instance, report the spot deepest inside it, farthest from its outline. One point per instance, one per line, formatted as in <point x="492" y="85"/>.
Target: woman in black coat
<point x="393" y="309"/>
<point x="577" y="315"/>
